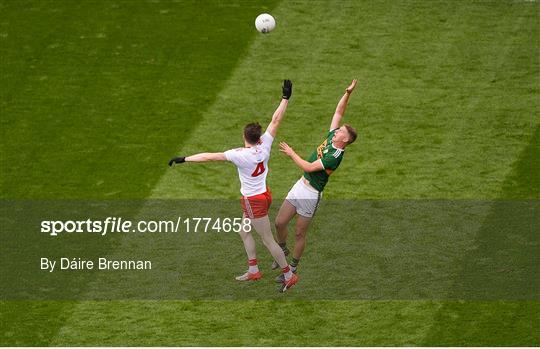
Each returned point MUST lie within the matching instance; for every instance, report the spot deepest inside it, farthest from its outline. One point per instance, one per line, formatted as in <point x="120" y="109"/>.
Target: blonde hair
<point x="352" y="133"/>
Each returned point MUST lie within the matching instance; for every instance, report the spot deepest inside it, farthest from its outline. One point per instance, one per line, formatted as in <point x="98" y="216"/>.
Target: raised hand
<point x="351" y="87"/>
<point x="287" y="89"/>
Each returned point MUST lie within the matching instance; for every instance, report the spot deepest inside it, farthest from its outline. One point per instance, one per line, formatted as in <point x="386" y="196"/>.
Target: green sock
<point x="294" y="263"/>
<point x="284" y="248"/>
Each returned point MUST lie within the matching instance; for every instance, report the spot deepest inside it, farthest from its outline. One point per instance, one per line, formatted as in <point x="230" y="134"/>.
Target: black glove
<point x="177" y="160"/>
<point x="287" y="89"/>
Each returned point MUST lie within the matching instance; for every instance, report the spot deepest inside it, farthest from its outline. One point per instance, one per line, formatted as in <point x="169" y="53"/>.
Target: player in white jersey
<point x="252" y="163"/>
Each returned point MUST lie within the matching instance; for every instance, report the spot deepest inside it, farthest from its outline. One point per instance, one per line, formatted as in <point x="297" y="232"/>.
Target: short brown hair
<point x="352" y="133"/>
<point x="252" y="132"/>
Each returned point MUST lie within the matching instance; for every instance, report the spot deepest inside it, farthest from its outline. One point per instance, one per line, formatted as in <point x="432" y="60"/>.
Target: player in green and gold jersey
<point x="303" y="199"/>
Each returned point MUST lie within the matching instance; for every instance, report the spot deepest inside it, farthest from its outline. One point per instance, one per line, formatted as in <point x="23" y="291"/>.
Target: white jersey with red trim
<point x="252" y="164"/>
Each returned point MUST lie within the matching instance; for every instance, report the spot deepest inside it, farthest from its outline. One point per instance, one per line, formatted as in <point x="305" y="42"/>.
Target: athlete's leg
<point x="302" y="225"/>
<point x="262" y="226"/>
<point x="285" y="214"/>
<point x="249" y="242"/>
<point x="249" y="245"/>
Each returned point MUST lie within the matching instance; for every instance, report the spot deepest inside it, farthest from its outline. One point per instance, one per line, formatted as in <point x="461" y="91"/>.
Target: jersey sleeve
<point x="234" y="156"/>
<point x="330" y="162"/>
<point x="267" y="140"/>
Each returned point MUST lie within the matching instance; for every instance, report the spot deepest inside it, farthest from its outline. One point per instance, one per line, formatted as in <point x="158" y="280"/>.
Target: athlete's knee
<point x="270" y="243"/>
<point x="299" y="236"/>
<point x="267" y="243"/>
<point x="244" y="234"/>
<point x="280" y="224"/>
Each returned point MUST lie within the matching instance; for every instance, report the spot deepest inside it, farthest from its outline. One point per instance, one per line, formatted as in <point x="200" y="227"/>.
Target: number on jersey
<point x="259" y="170"/>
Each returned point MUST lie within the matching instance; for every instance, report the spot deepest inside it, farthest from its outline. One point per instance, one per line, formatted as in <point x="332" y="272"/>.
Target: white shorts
<point x="304" y="198"/>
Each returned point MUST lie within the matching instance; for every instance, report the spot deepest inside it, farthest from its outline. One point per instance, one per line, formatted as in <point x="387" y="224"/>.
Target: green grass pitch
<point x="96" y="96"/>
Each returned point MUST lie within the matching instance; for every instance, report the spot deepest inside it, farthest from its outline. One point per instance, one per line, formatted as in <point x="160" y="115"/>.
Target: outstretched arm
<point x="303" y="164"/>
<point x="202" y="157"/>
<point x="342" y="105"/>
<point x="280" y="111"/>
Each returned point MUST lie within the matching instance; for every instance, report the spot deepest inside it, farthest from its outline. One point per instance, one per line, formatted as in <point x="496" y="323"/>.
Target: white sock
<point x="252" y="265"/>
<point x="288" y="274"/>
<point x="253" y="269"/>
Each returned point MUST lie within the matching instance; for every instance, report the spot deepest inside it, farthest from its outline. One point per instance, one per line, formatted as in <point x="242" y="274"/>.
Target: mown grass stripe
<point x="126" y="83"/>
<point x="502" y="252"/>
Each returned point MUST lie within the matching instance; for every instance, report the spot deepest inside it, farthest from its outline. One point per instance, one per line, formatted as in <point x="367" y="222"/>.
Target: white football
<point x="265" y="23"/>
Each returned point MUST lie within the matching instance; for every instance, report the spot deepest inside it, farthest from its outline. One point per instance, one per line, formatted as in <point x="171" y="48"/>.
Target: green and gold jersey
<point x="330" y="158"/>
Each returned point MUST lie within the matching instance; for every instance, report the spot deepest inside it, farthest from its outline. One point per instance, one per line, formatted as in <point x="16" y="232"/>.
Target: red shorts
<point x="256" y="206"/>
